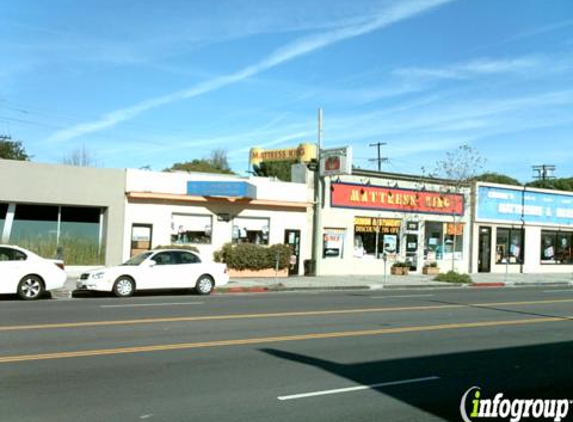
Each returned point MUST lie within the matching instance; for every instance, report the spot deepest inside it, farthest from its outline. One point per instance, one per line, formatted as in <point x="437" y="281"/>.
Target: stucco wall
<point x="36" y="183"/>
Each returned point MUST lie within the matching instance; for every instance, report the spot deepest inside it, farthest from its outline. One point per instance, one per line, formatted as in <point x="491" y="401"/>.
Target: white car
<point x="27" y="274"/>
<point x="160" y="269"/>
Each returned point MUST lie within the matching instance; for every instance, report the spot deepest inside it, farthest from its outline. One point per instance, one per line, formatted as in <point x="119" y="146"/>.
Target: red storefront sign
<point x="348" y="195"/>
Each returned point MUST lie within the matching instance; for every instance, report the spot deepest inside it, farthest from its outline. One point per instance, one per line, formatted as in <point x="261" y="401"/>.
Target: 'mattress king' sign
<point x="303" y="153"/>
<point x="350" y="195"/>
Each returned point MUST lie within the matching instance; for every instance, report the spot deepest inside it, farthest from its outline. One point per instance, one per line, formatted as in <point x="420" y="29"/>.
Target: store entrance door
<point x="484" y="254"/>
<point x="412" y="251"/>
<point x="292" y="238"/>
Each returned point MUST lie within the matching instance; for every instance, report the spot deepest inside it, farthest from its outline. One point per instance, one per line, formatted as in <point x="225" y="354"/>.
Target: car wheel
<point x="30" y="287"/>
<point x="124" y="287"/>
<point x="204" y="285"/>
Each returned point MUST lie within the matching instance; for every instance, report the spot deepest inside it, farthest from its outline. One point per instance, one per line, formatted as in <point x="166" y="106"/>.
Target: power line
<point x="543" y="171"/>
<point x="380" y="159"/>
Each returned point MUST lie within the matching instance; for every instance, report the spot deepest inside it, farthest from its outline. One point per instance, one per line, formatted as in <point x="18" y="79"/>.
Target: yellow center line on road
<point x="272" y="315"/>
<point x="276" y="339"/>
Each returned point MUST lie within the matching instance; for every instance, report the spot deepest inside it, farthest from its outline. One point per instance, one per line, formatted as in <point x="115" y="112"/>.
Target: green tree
<point x="497" y="178"/>
<point x="12" y="150"/>
<point x="565" y="184"/>
<point x="279" y="169"/>
<point x="216" y="163"/>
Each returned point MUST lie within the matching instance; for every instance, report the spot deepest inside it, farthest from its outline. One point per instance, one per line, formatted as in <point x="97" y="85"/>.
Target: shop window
<point x="333" y="243"/>
<point x="556" y="247"/>
<point x="3" y="212"/>
<point x="509" y="246"/>
<point x="251" y="230"/>
<point x="33" y="223"/>
<point x="374" y="237"/>
<point x="80" y="223"/>
<point x="443" y="241"/>
<point x="191" y="229"/>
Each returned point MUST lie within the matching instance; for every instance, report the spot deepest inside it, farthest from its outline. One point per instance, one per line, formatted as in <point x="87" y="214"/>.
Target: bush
<point x="432" y="264"/>
<point x="399" y="264"/>
<point x="247" y="256"/>
<point x="454" y="277"/>
<point x="75" y="251"/>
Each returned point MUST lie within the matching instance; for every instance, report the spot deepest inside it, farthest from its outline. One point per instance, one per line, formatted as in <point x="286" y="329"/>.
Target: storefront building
<point x="74" y="212"/>
<point x="370" y="220"/>
<point x="522" y="230"/>
<point x="208" y="210"/>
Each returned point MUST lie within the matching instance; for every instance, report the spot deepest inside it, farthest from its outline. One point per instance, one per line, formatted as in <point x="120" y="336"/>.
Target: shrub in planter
<point x="431" y="268"/>
<point x="454" y="277"/>
<point x="247" y="256"/>
<point x="400" y="268"/>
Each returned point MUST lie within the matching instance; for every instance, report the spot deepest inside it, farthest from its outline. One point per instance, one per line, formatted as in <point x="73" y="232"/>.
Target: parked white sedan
<point x="161" y="269"/>
<point x="27" y="274"/>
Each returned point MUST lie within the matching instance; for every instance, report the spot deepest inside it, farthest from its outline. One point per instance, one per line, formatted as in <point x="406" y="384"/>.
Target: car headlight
<point x="98" y="275"/>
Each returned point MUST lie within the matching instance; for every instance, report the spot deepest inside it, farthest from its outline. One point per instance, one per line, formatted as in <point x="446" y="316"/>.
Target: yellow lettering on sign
<point x="355" y="195"/>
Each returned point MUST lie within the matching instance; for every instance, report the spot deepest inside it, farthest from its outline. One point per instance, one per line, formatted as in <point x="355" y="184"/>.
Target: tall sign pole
<point x="317" y="223"/>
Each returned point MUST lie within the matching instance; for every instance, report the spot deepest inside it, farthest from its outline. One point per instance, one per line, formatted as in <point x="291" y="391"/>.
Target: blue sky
<point x="142" y="83"/>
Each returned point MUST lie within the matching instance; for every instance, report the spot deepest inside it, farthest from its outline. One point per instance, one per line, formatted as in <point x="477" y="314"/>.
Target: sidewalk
<point x="354" y="282"/>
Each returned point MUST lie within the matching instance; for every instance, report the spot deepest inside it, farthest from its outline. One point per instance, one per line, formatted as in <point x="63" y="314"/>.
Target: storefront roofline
<point x="404" y="177"/>
<point x="203" y="200"/>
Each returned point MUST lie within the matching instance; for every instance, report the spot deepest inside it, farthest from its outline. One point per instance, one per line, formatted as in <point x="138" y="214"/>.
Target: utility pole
<point x="544" y="171"/>
<point x="317" y="220"/>
<point x="380" y="159"/>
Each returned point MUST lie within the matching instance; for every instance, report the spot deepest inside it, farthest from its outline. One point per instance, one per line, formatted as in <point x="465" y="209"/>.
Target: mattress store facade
<point x="522" y="230"/>
<point x="207" y="211"/>
<point x="369" y="216"/>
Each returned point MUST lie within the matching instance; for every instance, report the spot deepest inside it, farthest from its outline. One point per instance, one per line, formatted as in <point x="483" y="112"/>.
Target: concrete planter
<point x="431" y="270"/>
<point x="400" y="270"/>
<point x="266" y="273"/>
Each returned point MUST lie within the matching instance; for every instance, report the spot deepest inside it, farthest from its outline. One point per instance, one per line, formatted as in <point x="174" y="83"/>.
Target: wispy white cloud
<point x="476" y="67"/>
<point x="396" y="12"/>
<point x="541" y="30"/>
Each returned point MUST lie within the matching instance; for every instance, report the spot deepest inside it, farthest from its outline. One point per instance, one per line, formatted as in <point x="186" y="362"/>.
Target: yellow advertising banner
<point x="374" y="224"/>
<point x="454" y="229"/>
<point x="304" y="153"/>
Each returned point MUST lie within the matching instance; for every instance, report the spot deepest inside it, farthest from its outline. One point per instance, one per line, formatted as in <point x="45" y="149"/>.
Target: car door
<point x="187" y="270"/>
<point x="161" y="275"/>
<point x="11" y="269"/>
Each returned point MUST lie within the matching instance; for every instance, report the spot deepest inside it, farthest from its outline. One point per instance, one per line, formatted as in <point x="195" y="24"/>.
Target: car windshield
<point x="138" y="259"/>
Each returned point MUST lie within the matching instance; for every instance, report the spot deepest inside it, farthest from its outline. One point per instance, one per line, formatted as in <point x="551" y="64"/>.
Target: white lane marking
<point x="401" y="296"/>
<point x="137" y="305"/>
<point x="352" y="389"/>
<point x="559" y="291"/>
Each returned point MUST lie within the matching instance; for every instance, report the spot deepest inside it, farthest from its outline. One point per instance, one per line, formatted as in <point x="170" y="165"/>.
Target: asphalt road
<point x="400" y="355"/>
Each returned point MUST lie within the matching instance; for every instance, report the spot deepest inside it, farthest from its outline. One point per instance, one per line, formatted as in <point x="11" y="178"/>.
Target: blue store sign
<point x="226" y="189"/>
<point x="517" y="205"/>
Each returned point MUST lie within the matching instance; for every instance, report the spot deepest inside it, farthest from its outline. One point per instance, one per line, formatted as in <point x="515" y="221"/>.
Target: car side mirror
<point x="151" y="263"/>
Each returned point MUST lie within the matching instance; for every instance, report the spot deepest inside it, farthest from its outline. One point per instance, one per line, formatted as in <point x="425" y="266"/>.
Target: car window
<point x="186" y="258"/>
<point x="137" y="259"/>
<point x="7" y="254"/>
<point x="164" y="258"/>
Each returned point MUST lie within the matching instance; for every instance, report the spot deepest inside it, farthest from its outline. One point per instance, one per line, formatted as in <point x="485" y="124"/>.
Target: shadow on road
<point x="87" y="294"/>
<point x="540" y="371"/>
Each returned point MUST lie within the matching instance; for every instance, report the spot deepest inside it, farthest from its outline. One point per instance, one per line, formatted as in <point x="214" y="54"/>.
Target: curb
<point x="494" y="284"/>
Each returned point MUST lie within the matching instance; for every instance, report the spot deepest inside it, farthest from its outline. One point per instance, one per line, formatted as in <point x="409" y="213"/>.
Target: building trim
<point x="204" y="200"/>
